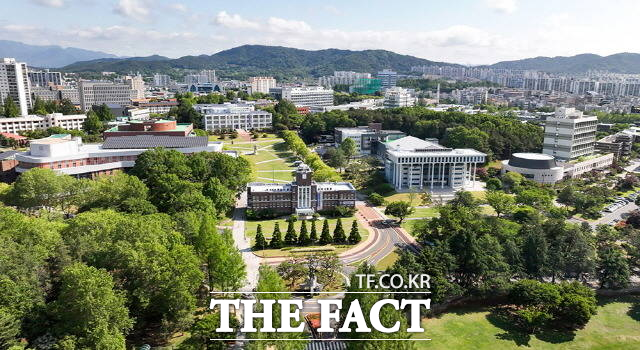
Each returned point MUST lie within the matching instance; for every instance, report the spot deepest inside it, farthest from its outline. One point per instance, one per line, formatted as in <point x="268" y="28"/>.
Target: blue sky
<point x="462" y="31"/>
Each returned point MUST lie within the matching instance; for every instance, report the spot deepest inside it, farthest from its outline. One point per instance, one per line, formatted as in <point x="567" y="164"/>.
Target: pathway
<point x="244" y="244"/>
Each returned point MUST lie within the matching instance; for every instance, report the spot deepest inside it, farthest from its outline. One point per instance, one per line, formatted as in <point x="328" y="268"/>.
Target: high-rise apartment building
<point x="136" y="84"/>
<point x="44" y="78"/>
<point x="14" y="83"/>
<point x="99" y="92"/>
<point x="569" y="134"/>
<point x="261" y="84"/>
<point x="342" y="78"/>
<point x="161" y="80"/>
<point x="388" y="78"/>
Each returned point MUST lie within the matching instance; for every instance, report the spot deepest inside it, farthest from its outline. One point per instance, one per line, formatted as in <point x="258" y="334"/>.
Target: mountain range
<point x="49" y="56"/>
<point x="259" y="59"/>
<point x="282" y="62"/>
<point x="617" y="63"/>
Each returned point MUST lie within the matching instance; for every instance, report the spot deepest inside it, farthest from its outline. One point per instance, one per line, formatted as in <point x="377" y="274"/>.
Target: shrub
<point x="376" y="199"/>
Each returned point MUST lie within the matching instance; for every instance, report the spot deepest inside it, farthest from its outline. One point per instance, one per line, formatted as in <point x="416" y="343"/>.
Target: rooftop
<point x="152" y="141"/>
<point x="410" y="146"/>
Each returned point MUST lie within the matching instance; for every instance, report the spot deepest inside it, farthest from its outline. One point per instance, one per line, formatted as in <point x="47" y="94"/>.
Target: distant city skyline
<point x="466" y="31"/>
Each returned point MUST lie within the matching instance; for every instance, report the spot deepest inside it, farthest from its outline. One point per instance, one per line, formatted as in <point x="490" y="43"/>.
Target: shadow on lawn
<point x="634" y="311"/>
<point x="521" y="338"/>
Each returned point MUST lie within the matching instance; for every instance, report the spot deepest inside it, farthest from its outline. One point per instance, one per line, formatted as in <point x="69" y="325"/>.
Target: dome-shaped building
<point x="538" y="167"/>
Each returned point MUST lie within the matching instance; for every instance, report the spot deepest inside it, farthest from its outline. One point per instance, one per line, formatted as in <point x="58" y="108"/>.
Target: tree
<point x="304" y="239"/>
<point x="204" y="331"/>
<point x="90" y="309"/>
<point x="224" y="262"/>
<point x="67" y="107"/>
<point x="511" y="180"/>
<point x="10" y="108"/>
<point x="494" y="184"/>
<point x="39" y="187"/>
<point x="39" y="106"/>
<point x="9" y="329"/>
<point x="336" y="158"/>
<point x="291" y="238"/>
<point x="426" y="198"/>
<point x="534" y="252"/>
<point x="103" y="112"/>
<point x="501" y="202"/>
<point x="613" y="268"/>
<point x="118" y="191"/>
<point x="463" y="137"/>
<point x="92" y="125"/>
<point x="534" y="197"/>
<point x="325" y="236"/>
<point x="293" y="271"/>
<point x="222" y="197"/>
<point x="261" y="242"/>
<point x="354" y="234"/>
<point x="276" y="240"/>
<point x="376" y="199"/>
<point x="339" y="236"/>
<point x="313" y="236"/>
<point x="349" y="148"/>
<point x="399" y="209"/>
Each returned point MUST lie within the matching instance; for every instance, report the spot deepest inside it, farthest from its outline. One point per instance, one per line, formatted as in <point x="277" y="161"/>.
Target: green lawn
<point x="387" y="261"/>
<point x="276" y="159"/>
<point x="277" y="175"/>
<point x="268" y="226"/>
<point x="616" y="326"/>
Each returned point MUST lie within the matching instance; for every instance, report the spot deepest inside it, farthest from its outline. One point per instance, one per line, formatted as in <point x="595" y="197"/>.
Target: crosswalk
<point x="326" y="345"/>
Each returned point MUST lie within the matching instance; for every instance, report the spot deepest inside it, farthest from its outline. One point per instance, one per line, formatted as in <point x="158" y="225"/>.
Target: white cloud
<point x="178" y="7"/>
<point x="503" y="6"/>
<point x="332" y="10"/>
<point x="234" y="21"/>
<point x="136" y="9"/>
<point x="49" y="3"/>
<point x="279" y="25"/>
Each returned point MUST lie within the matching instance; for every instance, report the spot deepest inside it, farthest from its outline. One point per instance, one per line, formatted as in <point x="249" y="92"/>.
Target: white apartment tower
<point x="398" y="97"/>
<point x="99" y="92"/>
<point x="136" y="84"/>
<point x="14" y="83"/>
<point x="569" y="134"/>
<point x="388" y="78"/>
<point x="261" y="84"/>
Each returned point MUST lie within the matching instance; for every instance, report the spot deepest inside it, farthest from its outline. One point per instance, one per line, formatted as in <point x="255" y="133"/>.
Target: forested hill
<point x="258" y="59"/>
<point x="618" y="63"/>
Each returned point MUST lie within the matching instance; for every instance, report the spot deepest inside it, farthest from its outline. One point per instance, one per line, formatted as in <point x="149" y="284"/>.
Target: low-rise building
<point x="618" y="144"/>
<point x="8" y="164"/>
<point x="37" y="122"/>
<point x="366" y="137"/>
<point x="68" y="155"/>
<point x="233" y="116"/>
<point x="150" y="127"/>
<point x="410" y="162"/>
<point x="368" y="104"/>
<point x="584" y="165"/>
<point x="303" y="196"/>
<point x="539" y="167"/>
<point x="398" y="97"/>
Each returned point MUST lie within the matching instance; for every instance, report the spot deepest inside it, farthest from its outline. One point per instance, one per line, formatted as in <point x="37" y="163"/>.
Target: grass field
<point x="616" y="326"/>
<point x="267" y="230"/>
<point x="387" y="261"/>
<point x="270" y="157"/>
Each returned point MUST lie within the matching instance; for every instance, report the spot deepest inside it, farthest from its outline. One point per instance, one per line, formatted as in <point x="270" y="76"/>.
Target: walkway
<point x="243" y="244"/>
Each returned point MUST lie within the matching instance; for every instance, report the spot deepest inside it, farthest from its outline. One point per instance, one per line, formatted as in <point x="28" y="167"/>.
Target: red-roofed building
<point x="21" y="140"/>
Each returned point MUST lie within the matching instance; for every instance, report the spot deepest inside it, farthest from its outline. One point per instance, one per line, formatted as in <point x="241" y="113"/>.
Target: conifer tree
<point x="276" y="238"/>
<point x="338" y="233"/>
<point x="261" y="242"/>
<point x="291" y="238"/>
<point x="325" y="237"/>
<point x="303" y="239"/>
<point x="313" y="237"/>
<point x="354" y="235"/>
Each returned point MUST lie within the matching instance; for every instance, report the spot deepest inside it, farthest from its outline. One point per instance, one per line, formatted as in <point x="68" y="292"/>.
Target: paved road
<point x="244" y="245"/>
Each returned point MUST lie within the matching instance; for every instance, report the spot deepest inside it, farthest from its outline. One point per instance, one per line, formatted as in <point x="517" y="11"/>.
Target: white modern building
<point x="410" y="162"/>
<point x="14" y="83"/>
<point x="139" y="113"/>
<point x="398" y="97"/>
<point x="36" y="122"/>
<point x="161" y="80"/>
<point x="306" y="96"/>
<point x="342" y="78"/>
<point x="261" y="84"/>
<point x="368" y="104"/>
<point x="595" y="162"/>
<point x="569" y="134"/>
<point x="68" y="155"/>
<point x="366" y="137"/>
<point x="539" y="167"/>
<point x="99" y="92"/>
<point x="233" y="116"/>
<point x="388" y="78"/>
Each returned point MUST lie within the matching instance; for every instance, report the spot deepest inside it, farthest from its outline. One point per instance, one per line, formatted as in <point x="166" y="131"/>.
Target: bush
<point x="338" y="212"/>
<point x="376" y="199"/>
<point x="384" y="189"/>
<point x="261" y="214"/>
